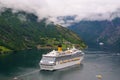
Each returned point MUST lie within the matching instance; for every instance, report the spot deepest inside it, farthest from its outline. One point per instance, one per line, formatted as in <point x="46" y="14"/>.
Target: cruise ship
<point x="59" y="59"/>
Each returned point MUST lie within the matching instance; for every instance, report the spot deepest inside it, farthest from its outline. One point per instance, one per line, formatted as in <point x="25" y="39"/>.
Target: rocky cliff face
<point x="94" y="32"/>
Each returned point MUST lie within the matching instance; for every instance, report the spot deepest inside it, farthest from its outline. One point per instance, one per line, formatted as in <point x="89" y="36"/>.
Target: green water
<point x="23" y="65"/>
<point x="14" y="63"/>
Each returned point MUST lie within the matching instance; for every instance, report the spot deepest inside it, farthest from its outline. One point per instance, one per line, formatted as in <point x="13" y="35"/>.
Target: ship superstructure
<point x="60" y="59"/>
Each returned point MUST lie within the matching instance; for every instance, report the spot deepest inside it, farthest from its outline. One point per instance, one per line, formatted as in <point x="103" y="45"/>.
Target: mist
<point x="66" y="12"/>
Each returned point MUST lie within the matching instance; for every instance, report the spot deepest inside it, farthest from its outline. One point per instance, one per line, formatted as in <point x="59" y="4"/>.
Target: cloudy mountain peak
<point x="87" y="9"/>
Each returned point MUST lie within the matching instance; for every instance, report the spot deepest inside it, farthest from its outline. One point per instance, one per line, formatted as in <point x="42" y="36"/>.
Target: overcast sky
<point x="52" y="9"/>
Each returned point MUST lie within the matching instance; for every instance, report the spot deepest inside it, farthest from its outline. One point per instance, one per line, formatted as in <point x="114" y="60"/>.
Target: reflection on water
<point x="62" y="74"/>
<point x="23" y="65"/>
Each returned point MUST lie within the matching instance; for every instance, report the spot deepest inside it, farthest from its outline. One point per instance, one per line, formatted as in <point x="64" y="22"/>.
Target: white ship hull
<point x="61" y="59"/>
<point x="60" y="65"/>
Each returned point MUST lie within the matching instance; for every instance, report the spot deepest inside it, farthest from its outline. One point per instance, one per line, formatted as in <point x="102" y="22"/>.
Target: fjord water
<point x="23" y="65"/>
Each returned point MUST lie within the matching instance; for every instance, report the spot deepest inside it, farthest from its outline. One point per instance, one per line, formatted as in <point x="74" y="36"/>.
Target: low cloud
<point x="60" y="11"/>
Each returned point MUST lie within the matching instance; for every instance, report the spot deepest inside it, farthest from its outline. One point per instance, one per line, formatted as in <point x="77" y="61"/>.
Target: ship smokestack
<point x="59" y="48"/>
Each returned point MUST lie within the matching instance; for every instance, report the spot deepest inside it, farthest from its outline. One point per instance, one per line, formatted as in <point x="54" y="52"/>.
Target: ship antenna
<point x="73" y="46"/>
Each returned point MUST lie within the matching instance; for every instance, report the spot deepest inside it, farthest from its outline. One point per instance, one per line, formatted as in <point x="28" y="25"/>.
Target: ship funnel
<point x="59" y="48"/>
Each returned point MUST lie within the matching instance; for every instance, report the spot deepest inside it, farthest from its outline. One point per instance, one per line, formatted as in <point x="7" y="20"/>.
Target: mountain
<point x="96" y="32"/>
<point x="21" y="30"/>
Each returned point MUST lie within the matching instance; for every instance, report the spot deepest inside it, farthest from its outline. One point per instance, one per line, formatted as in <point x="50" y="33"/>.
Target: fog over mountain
<point x="66" y="12"/>
<point x="104" y="35"/>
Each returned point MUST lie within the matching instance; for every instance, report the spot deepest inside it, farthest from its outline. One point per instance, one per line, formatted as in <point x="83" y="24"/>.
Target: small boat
<point x="59" y="59"/>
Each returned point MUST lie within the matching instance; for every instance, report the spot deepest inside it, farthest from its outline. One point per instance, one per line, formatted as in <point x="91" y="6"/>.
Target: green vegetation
<point x="19" y="31"/>
<point x="4" y="49"/>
